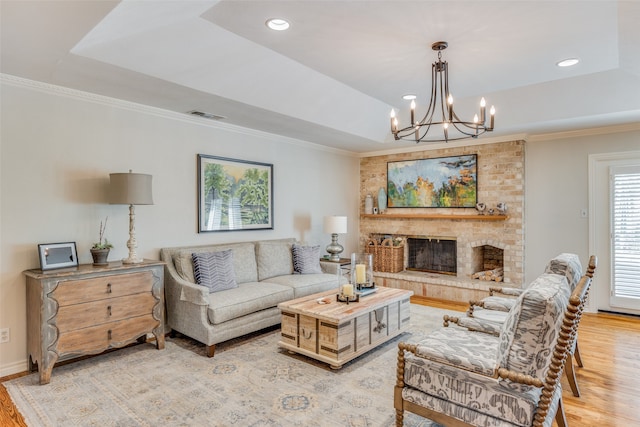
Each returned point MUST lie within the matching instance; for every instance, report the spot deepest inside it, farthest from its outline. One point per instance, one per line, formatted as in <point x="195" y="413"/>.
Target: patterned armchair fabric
<point x="565" y="264"/>
<point x="487" y="380"/>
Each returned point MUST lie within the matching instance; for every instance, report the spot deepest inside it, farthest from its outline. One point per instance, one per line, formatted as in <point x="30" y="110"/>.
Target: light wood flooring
<point x="610" y="348"/>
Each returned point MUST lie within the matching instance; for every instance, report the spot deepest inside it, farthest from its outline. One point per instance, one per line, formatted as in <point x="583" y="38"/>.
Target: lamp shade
<point x="335" y="224"/>
<point x="130" y="189"/>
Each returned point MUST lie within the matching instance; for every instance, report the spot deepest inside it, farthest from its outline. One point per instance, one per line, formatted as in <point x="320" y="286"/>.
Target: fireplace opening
<point x="488" y="263"/>
<point x="432" y="255"/>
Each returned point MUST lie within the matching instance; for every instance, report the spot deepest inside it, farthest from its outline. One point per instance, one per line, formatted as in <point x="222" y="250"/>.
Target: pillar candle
<point x="347" y="290"/>
<point x="360" y="274"/>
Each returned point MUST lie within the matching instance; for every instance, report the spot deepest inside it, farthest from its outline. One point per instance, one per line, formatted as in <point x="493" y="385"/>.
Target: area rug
<point x="249" y="382"/>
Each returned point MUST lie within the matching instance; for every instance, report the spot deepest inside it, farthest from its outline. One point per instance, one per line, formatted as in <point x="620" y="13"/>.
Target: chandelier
<point x="445" y="118"/>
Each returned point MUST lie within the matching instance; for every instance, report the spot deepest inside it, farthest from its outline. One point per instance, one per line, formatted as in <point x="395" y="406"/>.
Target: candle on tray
<point x="347" y="290"/>
<point x="360" y="273"/>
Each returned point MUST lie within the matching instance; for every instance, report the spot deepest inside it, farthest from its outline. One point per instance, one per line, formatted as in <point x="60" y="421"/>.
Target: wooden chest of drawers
<point x="87" y="310"/>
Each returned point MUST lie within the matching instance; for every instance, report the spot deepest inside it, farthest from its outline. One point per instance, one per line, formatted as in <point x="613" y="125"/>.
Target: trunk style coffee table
<point x="337" y="332"/>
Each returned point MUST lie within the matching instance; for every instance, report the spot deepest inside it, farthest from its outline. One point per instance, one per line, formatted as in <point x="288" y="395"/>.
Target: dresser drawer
<point x="79" y="316"/>
<point x="82" y="290"/>
<point x="101" y="337"/>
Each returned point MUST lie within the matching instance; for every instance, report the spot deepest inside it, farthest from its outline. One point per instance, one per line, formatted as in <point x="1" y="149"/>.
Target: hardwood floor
<point x="608" y="381"/>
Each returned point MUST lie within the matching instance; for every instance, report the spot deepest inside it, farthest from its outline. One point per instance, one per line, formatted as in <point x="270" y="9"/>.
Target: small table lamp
<point x="131" y="189"/>
<point x="335" y="225"/>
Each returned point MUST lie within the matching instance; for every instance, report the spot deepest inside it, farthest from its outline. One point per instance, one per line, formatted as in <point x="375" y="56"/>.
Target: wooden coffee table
<point x="337" y="332"/>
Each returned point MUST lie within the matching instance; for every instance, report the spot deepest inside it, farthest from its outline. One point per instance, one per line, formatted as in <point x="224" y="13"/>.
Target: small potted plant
<point x="100" y="249"/>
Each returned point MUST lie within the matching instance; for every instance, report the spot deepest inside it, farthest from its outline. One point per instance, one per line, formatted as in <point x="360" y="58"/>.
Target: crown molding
<point x="80" y="95"/>
<point x="452" y="144"/>
<point x="603" y="130"/>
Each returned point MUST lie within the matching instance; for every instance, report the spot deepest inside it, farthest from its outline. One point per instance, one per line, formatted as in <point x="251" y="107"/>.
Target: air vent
<point x="204" y="115"/>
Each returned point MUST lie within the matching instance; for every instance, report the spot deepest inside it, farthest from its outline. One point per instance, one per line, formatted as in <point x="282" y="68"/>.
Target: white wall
<point x="557" y="189"/>
<point x="59" y="146"/>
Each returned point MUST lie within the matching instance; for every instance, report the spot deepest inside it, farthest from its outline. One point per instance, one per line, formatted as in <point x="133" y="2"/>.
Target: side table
<point x="84" y="310"/>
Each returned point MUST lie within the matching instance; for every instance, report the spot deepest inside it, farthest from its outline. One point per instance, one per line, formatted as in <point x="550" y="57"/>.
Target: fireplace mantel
<point x="435" y="216"/>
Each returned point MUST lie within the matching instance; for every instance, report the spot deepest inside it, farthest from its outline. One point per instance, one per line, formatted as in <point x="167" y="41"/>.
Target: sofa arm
<point x="192" y="293"/>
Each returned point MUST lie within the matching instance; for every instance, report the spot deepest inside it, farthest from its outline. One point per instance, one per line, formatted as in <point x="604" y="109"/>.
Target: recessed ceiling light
<point x="409" y="96"/>
<point x="567" y="62"/>
<point x="277" y="24"/>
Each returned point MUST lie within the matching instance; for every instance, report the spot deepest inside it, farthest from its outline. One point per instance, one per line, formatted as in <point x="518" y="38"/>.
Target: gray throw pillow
<point x="214" y="270"/>
<point x="306" y="259"/>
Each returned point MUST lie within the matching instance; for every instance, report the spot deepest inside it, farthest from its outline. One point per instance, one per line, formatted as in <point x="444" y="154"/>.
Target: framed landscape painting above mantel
<point x="442" y="182"/>
<point x="234" y="194"/>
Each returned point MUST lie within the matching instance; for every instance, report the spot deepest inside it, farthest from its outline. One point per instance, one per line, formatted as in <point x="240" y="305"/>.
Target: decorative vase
<point x="100" y="256"/>
<point x="368" y="204"/>
<point x="382" y="200"/>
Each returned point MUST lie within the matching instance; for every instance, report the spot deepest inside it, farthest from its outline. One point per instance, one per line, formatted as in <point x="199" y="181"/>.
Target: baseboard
<point x="13" y="368"/>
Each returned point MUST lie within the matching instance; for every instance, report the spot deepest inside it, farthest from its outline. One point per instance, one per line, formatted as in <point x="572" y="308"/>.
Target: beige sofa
<point x="265" y="277"/>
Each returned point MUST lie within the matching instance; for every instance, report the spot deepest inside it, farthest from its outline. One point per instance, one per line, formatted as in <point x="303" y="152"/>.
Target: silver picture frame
<point x="57" y="255"/>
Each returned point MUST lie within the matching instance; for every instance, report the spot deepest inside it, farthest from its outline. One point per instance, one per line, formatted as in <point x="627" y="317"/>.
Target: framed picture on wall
<point x="234" y="194"/>
<point x="442" y="182"/>
<point x="57" y="255"/>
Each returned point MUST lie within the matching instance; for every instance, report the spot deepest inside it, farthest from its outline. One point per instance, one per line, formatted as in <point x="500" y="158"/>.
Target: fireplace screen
<point x="432" y="255"/>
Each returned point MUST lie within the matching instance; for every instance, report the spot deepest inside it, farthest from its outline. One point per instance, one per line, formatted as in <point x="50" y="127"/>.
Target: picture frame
<point x="439" y="182"/>
<point x="57" y="255"/>
<point x="234" y="194"/>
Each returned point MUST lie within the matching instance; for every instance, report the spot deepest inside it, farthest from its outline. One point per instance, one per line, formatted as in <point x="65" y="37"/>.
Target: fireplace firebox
<point x="433" y="255"/>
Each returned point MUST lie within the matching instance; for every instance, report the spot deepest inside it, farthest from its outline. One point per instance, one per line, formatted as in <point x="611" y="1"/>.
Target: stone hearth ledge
<point x="440" y="286"/>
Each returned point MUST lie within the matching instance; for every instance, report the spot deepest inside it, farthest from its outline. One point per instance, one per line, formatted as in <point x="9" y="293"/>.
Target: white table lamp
<point x="335" y="225"/>
<point x="131" y="189"/>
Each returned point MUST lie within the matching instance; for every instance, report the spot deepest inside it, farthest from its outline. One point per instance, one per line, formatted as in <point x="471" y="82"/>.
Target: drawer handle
<point x="109" y="310"/>
<point x="109" y="334"/>
<point x="108" y="288"/>
<point x="305" y="336"/>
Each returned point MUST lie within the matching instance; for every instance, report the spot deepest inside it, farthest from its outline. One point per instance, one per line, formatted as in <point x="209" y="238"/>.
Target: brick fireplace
<point x="479" y="242"/>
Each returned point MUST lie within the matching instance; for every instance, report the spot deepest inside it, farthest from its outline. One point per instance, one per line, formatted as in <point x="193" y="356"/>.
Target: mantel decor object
<point x="131" y="189"/>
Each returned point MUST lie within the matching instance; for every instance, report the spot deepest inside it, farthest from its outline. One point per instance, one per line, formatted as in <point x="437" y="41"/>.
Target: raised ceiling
<point x="333" y="77"/>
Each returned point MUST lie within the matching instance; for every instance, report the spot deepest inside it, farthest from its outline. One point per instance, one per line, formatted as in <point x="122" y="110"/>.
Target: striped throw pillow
<point x="306" y="259"/>
<point x="214" y="270"/>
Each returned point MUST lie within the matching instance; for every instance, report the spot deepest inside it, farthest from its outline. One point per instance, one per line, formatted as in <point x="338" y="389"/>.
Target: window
<point x="625" y="236"/>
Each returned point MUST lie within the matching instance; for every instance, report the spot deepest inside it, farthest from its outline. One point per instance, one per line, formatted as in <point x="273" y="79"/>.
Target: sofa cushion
<point x="308" y="284"/>
<point x="274" y="258"/>
<point x="244" y="261"/>
<point x="247" y="298"/>
<point x="530" y="331"/>
<point x="306" y="259"/>
<point x="214" y="270"/>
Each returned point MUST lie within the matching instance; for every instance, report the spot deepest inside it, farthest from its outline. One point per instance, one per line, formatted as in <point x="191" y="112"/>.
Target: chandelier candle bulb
<point x="413" y="112"/>
<point x="394" y="121"/>
<point x="492" y="112"/>
<point x="450" y="104"/>
<point x="483" y="109"/>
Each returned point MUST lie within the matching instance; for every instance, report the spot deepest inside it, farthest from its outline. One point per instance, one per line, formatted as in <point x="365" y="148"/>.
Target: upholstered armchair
<point x="458" y="377"/>
<point x="492" y="310"/>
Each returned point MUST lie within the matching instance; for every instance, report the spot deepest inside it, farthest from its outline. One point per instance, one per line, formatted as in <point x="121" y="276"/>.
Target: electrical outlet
<point x="4" y="335"/>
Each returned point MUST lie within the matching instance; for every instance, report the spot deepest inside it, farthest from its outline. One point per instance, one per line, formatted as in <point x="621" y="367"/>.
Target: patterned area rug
<point x="249" y="382"/>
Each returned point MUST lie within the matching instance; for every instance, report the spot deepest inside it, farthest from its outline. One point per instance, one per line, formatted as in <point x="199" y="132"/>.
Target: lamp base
<point x="132" y="260"/>
<point x="335" y="248"/>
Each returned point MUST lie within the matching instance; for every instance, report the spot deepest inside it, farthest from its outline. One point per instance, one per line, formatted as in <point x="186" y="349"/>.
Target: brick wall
<point x="500" y="179"/>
